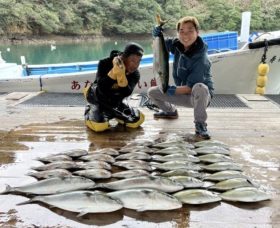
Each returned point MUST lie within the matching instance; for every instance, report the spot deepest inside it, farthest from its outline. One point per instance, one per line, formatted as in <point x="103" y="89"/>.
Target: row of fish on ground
<point x="143" y="175"/>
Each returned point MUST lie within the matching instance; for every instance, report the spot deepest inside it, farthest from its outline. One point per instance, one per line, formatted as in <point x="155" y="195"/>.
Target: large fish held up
<point x="161" y="59"/>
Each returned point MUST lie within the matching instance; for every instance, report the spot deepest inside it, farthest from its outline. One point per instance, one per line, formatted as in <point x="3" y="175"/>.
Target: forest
<point x="129" y="17"/>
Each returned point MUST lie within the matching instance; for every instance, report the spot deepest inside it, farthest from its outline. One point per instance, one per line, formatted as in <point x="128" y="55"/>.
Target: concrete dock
<point x="29" y="131"/>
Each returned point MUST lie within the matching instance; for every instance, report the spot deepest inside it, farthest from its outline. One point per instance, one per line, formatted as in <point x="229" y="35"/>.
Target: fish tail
<point x="159" y="21"/>
<point x="25" y="202"/>
<point x="34" y="199"/>
<point x="7" y="190"/>
<point x="99" y="185"/>
<point x="32" y="174"/>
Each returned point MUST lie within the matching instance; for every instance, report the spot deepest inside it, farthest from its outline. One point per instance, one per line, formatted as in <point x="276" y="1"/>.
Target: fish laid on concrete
<point x="197" y="196"/>
<point x="142" y="142"/>
<point x="224" y="175"/>
<point x="109" y="151"/>
<point x="172" y="165"/>
<point x="98" y="157"/>
<point x="131" y="173"/>
<point x="175" y="157"/>
<point x="175" y="150"/>
<point x="188" y="182"/>
<point x="154" y="182"/>
<point x="53" y="186"/>
<point x="220" y="166"/>
<point x="50" y="174"/>
<point x="245" y="194"/>
<point x="134" y="164"/>
<point x="94" y="173"/>
<point x="82" y="202"/>
<point x="174" y="143"/>
<point x="75" y="153"/>
<point x="57" y="165"/>
<point x="182" y="172"/>
<point x="212" y="150"/>
<point x="209" y="143"/>
<point x="55" y="158"/>
<point x="161" y="59"/>
<point x="134" y="156"/>
<point x="94" y="165"/>
<point x="137" y="148"/>
<point x="231" y="184"/>
<point x="214" y="158"/>
<point x="146" y="199"/>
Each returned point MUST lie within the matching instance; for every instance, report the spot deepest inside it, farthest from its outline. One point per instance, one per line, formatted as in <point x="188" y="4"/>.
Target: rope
<point x="265" y="50"/>
<point x="146" y="102"/>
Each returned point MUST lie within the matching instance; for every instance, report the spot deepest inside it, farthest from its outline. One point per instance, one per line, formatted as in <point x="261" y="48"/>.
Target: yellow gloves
<point x="118" y="72"/>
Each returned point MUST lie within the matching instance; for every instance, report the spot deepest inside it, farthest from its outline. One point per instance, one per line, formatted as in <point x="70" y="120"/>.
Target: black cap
<point x="133" y="49"/>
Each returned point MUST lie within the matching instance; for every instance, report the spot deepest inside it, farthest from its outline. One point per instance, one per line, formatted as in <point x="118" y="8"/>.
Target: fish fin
<point x="254" y="184"/>
<point x="82" y="213"/>
<point x="7" y="190"/>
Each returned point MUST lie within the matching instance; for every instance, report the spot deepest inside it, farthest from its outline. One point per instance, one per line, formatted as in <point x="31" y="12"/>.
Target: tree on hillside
<point x="132" y="17"/>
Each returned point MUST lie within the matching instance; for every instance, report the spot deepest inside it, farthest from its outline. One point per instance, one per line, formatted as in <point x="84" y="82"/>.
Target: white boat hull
<point x="234" y="72"/>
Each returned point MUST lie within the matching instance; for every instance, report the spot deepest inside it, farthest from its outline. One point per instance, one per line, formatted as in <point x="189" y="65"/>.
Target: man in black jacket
<point x="116" y="78"/>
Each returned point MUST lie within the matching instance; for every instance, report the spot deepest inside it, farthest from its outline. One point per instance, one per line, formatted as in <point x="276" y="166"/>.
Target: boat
<point x="235" y="62"/>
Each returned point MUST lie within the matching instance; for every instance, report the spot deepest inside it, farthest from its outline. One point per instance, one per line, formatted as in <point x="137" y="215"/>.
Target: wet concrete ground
<point x="28" y="132"/>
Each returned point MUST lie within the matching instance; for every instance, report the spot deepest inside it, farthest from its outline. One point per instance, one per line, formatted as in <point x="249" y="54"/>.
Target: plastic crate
<point x="221" y="41"/>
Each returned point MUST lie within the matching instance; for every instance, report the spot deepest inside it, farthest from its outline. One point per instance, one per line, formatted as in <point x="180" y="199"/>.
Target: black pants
<point x="100" y="112"/>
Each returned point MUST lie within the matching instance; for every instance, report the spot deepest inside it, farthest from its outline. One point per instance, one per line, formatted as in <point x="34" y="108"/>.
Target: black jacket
<point x="106" y="93"/>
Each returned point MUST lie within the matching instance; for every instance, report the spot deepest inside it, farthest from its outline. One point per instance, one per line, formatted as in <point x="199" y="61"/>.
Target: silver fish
<point x="214" y="158"/>
<point x="231" y="184"/>
<point x="134" y="156"/>
<point x="98" y="157"/>
<point x="54" y="158"/>
<point x="212" y="150"/>
<point x="134" y="164"/>
<point x="182" y="172"/>
<point x="50" y="174"/>
<point x="138" y="148"/>
<point x="159" y="183"/>
<point x="175" y="143"/>
<point x="94" y="165"/>
<point x="175" y="149"/>
<point x="146" y="199"/>
<point x="94" y="173"/>
<point x="210" y="143"/>
<point x="82" y="202"/>
<point x="224" y="175"/>
<point x="188" y="182"/>
<point x="109" y="151"/>
<point x="176" y="157"/>
<point x="172" y="165"/>
<point x="161" y="59"/>
<point x="245" y="194"/>
<point x="220" y="166"/>
<point x="141" y="142"/>
<point x="53" y="186"/>
<point x="197" y="196"/>
<point x="75" y="153"/>
<point x="131" y="173"/>
<point x="57" y="165"/>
